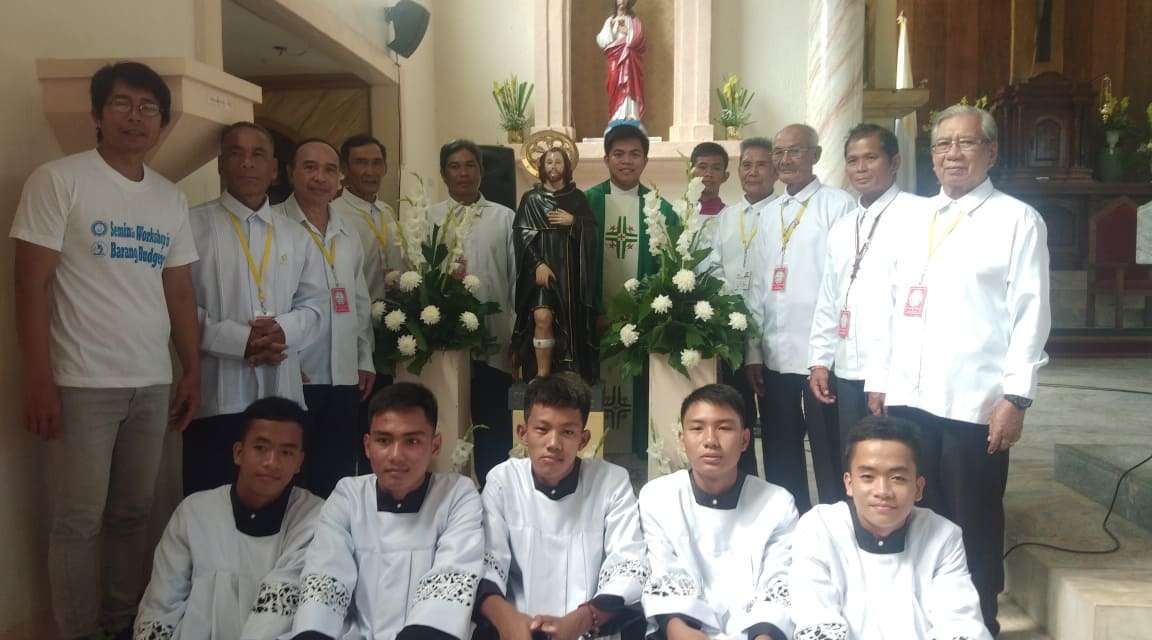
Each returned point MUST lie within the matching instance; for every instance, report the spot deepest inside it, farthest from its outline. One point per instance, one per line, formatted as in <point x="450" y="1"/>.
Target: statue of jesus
<point x="622" y="40"/>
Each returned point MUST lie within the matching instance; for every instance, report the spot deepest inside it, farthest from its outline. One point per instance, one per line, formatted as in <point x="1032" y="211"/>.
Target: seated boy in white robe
<point x="719" y="540"/>
<point x="398" y="553"/>
<point x="875" y="565"/>
<point x="228" y="565"/>
<point x="565" y="555"/>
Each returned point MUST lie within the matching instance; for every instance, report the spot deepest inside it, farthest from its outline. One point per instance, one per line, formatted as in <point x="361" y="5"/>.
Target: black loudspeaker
<point x="499" y="183"/>
<point x="409" y="22"/>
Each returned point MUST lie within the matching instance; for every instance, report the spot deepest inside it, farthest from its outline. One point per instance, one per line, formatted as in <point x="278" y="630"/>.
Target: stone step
<point x="1094" y="469"/>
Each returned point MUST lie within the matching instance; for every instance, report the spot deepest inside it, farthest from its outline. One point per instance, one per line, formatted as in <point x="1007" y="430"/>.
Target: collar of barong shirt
<point x="564" y="488"/>
<point x="727" y="499"/>
<point x="410" y="503"/>
<point x="894" y="543"/>
<point x="260" y="523"/>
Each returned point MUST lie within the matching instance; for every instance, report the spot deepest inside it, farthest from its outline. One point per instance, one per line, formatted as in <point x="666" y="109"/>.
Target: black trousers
<point x="752" y="415"/>
<point x="966" y="485"/>
<point x="791" y="411"/>
<point x="332" y="442"/>
<point x="490" y="407"/>
<point x="851" y="406"/>
<point x="363" y="465"/>
<point x="208" y="451"/>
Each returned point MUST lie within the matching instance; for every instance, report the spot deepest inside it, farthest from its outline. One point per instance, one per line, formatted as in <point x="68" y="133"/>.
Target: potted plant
<point x="512" y="98"/>
<point x="1114" y="122"/>
<point x="1146" y="148"/>
<point x="734" y="101"/>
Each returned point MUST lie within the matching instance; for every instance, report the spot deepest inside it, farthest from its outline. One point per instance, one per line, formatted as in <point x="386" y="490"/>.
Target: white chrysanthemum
<point x="471" y="283"/>
<point x="407" y="345"/>
<point x="689" y="358"/>
<point x="379" y="308"/>
<point x="662" y="304"/>
<point x="629" y="335"/>
<point x="684" y="280"/>
<point x="395" y="320"/>
<point x="695" y="189"/>
<point x="470" y="321"/>
<point x="703" y="310"/>
<point x="409" y="280"/>
<point x="631" y="285"/>
<point x="392" y="278"/>
<point x="430" y="315"/>
<point x="737" y="321"/>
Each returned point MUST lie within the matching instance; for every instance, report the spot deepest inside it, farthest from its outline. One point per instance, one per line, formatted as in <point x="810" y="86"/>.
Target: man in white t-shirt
<point x="103" y="251"/>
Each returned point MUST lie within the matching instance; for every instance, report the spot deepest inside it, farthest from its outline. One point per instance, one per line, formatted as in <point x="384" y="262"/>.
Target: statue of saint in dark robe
<point x="555" y="237"/>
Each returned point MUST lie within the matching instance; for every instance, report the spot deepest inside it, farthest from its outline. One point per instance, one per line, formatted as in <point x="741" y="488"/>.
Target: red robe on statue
<point x="625" y="70"/>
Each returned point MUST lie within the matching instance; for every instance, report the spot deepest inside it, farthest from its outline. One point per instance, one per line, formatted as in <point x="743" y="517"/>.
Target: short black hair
<point x="300" y="145"/>
<point x="564" y="390"/>
<point x="460" y="144"/>
<point x="567" y="163"/>
<point x="405" y="395"/>
<point x="272" y="408"/>
<point x="888" y="139"/>
<point x="244" y="124"/>
<point x="360" y="140"/>
<point x="755" y="142"/>
<point x="622" y="132"/>
<point x="136" y="75"/>
<point x="884" y="428"/>
<point x="720" y="395"/>
<point x="708" y="149"/>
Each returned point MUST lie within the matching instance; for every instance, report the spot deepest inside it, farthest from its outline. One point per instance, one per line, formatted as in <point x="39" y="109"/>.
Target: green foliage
<point x="512" y="98"/>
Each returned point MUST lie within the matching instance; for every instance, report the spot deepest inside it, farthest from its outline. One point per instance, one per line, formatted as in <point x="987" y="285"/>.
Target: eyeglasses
<point x="124" y="105"/>
<point x="790" y="152"/>
<point x="940" y="147"/>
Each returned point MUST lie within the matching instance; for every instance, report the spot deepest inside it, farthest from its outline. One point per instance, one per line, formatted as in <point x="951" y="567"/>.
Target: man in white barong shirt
<point x="877" y="567"/>
<point x="397" y="553"/>
<point x="970" y="316"/>
<point x="719" y="540"/>
<point x="565" y="555"/>
<point x="228" y="565"/>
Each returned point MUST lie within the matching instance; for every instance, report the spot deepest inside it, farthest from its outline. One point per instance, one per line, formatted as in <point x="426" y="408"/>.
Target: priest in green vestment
<point x="618" y="204"/>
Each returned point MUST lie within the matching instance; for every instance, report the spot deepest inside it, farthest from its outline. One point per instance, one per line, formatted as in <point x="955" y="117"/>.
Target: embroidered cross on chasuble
<point x="623" y="255"/>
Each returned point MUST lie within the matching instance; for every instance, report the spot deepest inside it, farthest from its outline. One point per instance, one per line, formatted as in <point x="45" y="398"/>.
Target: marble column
<point x="835" y="98"/>
<point x="552" y="98"/>
<point x="692" y="60"/>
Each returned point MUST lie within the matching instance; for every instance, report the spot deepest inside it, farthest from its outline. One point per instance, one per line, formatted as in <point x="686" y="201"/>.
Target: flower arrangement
<point x="665" y="464"/>
<point x="1146" y="148"/>
<point x="512" y="98"/>
<point x="433" y="306"/>
<point x="688" y="315"/>
<point x="1113" y="110"/>
<point x="462" y="454"/>
<point x="734" y="101"/>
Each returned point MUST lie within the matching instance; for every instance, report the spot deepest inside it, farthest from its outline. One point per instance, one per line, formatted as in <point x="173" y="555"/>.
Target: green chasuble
<point x="623" y="254"/>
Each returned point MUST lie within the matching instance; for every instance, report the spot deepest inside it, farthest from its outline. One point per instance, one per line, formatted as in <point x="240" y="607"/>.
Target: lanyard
<point x="329" y="253"/>
<point x="746" y="238"/>
<point x="380" y="231"/>
<point x="863" y="249"/>
<point x="933" y="245"/>
<point x="786" y="232"/>
<point x="257" y="273"/>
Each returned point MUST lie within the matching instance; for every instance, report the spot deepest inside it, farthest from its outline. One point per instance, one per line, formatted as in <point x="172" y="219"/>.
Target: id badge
<point x="743" y="282"/>
<point x="845" y="323"/>
<point x="779" y="278"/>
<point x="914" y="305"/>
<point x="340" y="300"/>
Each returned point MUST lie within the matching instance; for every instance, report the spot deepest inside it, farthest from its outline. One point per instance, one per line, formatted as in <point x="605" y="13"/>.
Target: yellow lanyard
<point x="746" y="239"/>
<point x="786" y="232"/>
<point x="381" y="232"/>
<point x="932" y="244"/>
<point x="329" y="253"/>
<point x="257" y="273"/>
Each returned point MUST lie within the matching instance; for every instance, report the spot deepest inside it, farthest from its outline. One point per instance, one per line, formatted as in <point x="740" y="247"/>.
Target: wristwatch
<point x="1020" y="402"/>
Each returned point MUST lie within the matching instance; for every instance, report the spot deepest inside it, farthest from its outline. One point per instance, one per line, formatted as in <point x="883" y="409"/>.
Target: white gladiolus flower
<point x="629" y="335"/>
<point x="684" y="280"/>
<point x="461" y="455"/>
<point x="471" y="283"/>
<point x="652" y="199"/>
<point x="407" y="345"/>
<point x="470" y="321"/>
<point x="695" y="189"/>
<point x="662" y="304"/>
<point x="689" y="358"/>
<point x="409" y="280"/>
<point x="379" y="308"/>
<point x="430" y="315"/>
<point x="631" y="285"/>
<point x="680" y="207"/>
<point x="395" y="320"/>
<point x="737" y="321"/>
<point x="703" y="310"/>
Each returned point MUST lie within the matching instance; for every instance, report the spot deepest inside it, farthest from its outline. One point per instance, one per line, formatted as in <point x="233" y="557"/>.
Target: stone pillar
<point x="835" y="99"/>
<point x="552" y="97"/>
<point x="692" y="60"/>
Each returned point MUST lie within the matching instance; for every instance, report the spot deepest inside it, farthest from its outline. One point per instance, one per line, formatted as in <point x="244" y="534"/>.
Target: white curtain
<point x="906" y="127"/>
